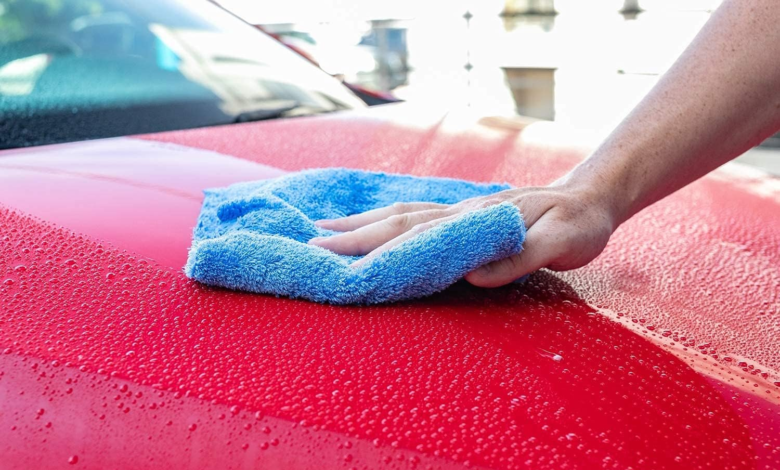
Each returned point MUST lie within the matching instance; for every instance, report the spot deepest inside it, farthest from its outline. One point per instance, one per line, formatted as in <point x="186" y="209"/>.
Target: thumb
<point x="536" y="254"/>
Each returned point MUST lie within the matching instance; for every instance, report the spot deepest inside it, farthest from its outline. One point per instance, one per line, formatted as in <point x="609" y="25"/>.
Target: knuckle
<point x="400" y="221"/>
<point x="485" y="270"/>
<point x="569" y="210"/>
<point x="510" y="265"/>
<point x="470" y="205"/>
<point x="496" y="273"/>
<point x="489" y="202"/>
<point x="500" y="268"/>
<point x="449" y="210"/>
<point x="439" y="214"/>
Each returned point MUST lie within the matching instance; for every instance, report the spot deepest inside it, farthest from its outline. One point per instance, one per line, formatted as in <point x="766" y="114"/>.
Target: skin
<point x="718" y="100"/>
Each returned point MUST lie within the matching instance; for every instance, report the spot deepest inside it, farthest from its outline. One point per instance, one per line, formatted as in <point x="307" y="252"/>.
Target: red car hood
<point x="663" y="353"/>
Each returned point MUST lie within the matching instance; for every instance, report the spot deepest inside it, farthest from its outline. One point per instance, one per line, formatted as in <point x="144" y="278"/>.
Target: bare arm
<point x="720" y="98"/>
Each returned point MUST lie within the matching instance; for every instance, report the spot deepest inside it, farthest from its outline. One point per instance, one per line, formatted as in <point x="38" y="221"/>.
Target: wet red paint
<point x="600" y="368"/>
<point x="128" y="191"/>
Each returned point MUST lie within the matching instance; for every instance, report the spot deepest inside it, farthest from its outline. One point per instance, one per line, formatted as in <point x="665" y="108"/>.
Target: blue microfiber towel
<point x="253" y="237"/>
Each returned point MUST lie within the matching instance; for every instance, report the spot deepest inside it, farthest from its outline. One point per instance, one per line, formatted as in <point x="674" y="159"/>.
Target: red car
<point x="663" y="353"/>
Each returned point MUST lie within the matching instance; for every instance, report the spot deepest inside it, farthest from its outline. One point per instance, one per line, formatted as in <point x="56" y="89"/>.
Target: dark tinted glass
<point x="81" y="69"/>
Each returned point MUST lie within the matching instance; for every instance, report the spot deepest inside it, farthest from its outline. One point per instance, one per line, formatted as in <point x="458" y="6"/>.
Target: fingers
<point x="372" y="236"/>
<point x="417" y="229"/>
<point x="539" y="250"/>
<point x="353" y="222"/>
<point x="566" y="229"/>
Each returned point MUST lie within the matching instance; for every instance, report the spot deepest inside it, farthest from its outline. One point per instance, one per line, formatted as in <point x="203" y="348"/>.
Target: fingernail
<point x="315" y="240"/>
<point x="321" y="223"/>
<point x="357" y="264"/>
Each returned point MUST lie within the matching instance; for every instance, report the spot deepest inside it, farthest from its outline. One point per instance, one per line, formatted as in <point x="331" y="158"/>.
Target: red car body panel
<point x="663" y="353"/>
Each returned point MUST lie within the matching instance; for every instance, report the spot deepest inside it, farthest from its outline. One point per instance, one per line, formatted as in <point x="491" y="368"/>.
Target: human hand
<point x="566" y="228"/>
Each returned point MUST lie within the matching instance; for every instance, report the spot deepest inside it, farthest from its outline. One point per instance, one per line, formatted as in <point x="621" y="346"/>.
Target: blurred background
<point x="582" y="64"/>
<point x="178" y="64"/>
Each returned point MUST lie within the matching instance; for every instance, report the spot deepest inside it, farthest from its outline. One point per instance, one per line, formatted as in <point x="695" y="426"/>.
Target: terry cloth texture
<point x="253" y="237"/>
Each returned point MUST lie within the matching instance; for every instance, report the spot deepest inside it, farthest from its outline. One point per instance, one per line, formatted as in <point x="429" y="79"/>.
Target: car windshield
<point x="83" y="69"/>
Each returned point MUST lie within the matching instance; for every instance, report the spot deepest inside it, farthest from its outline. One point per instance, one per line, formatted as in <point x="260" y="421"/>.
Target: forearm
<point x="719" y="99"/>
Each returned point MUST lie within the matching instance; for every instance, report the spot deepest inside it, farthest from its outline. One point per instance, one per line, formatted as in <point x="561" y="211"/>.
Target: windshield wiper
<point x="273" y="112"/>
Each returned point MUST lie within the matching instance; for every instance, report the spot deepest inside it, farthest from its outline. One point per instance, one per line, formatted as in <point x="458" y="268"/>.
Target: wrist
<point x="607" y="193"/>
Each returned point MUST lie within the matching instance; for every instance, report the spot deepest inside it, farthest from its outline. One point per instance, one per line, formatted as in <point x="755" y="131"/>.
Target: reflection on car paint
<point x="655" y="339"/>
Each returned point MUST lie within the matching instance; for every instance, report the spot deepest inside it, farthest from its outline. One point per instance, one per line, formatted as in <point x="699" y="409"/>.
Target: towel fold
<point x="253" y="237"/>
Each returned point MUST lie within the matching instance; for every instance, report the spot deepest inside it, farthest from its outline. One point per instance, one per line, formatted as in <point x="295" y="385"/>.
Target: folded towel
<point x="253" y="237"/>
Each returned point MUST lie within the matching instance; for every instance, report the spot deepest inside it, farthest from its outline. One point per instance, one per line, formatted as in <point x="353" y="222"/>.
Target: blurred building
<point x="583" y="64"/>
